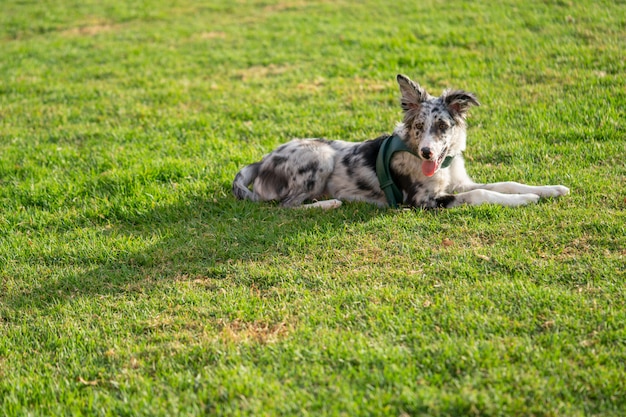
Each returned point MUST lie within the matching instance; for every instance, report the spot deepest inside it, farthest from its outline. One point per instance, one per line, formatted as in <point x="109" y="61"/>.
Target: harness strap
<point x="391" y="145"/>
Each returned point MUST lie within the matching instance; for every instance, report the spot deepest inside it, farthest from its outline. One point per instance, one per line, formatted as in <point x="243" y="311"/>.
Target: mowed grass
<point x="133" y="283"/>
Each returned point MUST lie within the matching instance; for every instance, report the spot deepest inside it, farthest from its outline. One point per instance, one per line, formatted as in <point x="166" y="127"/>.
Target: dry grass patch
<point x="91" y="28"/>
<point x="258" y="331"/>
<point x="258" y="72"/>
<point x="212" y="35"/>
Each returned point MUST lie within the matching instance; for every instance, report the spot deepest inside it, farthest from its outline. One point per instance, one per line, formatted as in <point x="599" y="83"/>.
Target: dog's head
<point x="434" y="127"/>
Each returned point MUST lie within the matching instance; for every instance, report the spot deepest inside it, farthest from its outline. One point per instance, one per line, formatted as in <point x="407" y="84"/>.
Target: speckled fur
<point x="306" y="170"/>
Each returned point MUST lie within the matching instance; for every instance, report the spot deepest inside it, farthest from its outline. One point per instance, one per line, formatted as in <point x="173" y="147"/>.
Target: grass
<point x="132" y="282"/>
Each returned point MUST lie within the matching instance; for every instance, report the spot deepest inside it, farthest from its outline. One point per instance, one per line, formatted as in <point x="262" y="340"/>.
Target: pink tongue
<point x="429" y="168"/>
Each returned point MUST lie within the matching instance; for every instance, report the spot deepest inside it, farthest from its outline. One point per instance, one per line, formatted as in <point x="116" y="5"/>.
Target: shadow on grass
<point x="194" y="239"/>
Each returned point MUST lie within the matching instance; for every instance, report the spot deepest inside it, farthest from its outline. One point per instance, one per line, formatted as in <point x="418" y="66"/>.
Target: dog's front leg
<point x="480" y="196"/>
<point x="474" y="198"/>
<point x="511" y="187"/>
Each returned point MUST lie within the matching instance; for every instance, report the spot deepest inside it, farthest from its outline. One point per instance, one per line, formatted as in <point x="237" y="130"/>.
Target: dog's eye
<point x="419" y="126"/>
<point x="443" y="126"/>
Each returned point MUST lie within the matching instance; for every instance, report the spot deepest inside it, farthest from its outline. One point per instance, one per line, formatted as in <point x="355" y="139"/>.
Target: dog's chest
<point x="409" y="166"/>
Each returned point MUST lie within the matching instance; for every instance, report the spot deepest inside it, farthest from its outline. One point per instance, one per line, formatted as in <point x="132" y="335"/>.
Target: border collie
<point x="419" y="165"/>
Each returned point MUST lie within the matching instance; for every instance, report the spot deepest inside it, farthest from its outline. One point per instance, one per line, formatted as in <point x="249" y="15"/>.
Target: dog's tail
<point x="242" y="181"/>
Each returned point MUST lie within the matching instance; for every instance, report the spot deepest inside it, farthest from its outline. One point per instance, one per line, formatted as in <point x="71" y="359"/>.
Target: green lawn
<point x="132" y="283"/>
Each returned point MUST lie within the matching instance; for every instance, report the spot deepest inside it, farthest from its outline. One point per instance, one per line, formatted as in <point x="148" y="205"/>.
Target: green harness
<point x="390" y="146"/>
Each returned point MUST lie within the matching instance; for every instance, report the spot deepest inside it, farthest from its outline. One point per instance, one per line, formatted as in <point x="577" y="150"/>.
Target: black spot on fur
<point x="347" y="161"/>
<point x="414" y="191"/>
<point x="363" y="185"/>
<point x="312" y="166"/>
<point x="429" y="202"/>
<point x="279" y="160"/>
<point x="445" y="200"/>
<point x="417" y="195"/>
<point x="282" y="147"/>
<point x="368" y="151"/>
<point x="310" y="184"/>
<point x="405" y="184"/>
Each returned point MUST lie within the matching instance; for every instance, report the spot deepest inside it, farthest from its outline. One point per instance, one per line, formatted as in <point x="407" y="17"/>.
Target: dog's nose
<point x="426" y="152"/>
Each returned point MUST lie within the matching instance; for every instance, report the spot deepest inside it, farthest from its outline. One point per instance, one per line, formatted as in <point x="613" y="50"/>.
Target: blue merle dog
<point x="426" y="167"/>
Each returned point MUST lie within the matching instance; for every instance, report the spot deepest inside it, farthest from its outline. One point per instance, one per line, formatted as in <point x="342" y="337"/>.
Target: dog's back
<point x="310" y="169"/>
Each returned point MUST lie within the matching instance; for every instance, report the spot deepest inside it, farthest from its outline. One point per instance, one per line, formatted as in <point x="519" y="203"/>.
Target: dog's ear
<point x="459" y="102"/>
<point x="412" y="93"/>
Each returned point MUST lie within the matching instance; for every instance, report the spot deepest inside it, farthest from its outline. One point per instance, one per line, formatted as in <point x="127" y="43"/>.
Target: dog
<point x="420" y="165"/>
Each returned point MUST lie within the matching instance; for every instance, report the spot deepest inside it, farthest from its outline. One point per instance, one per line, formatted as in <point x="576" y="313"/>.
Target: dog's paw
<point x="523" y="199"/>
<point x="553" y="191"/>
